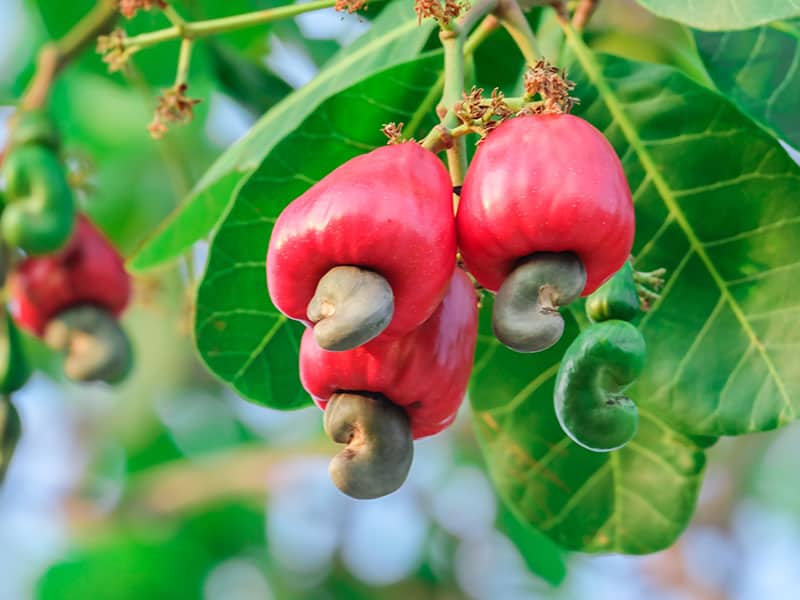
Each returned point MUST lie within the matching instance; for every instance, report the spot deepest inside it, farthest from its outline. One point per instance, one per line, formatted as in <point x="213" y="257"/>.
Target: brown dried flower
<point x="350" y="6"/>
<point x="129" y="8"/>
<point x="552" y="85"/>
<point x="174" y="107"/>
<point x="112" y="47"/>
<point x="443" y="13"/>
<point x="394" y="132"/>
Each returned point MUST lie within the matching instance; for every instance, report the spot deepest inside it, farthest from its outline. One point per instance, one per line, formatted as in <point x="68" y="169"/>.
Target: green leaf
<point x="542" y="556"/>
<point x="240" y="335"/>
<point x="246" y="80"/>
<point x="759" y="70"/>
<point x="722" y="15"/>
<point x="635" y="500"/>
<point x="394" y="38"/>
<point x="716" y="204"/>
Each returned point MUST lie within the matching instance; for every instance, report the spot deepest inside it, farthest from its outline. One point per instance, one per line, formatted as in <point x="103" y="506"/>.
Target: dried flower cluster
<point x="174" y="107"/>
<point x="648" y="284"/>
<point x="112" y="47"/>
<point x="552" y="85"/>
<point x="394" y="132"/>
<point x="129" y="8"/>
<point x="483" y="114"/>
<point x="350" y="6"/>
<point x="443" y="13"/>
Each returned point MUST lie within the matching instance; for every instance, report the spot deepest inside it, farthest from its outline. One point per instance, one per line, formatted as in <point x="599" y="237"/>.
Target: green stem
<point x="583" y="13"/>
<point x="453" y="45"/>
<point x="211" y="27"/>
<point x="453" y="42"/>
<point x="512" y="18"/>
<point x="489" y="24"/>
<point x="184" y="60"/>
<point x="173" y="16"/>
<point x="54" y="56"/>
<point x="476" y="38"/>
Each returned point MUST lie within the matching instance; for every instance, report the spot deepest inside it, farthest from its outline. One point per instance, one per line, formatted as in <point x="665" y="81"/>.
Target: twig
<point x="512" y="18"/>
<point x="583" y="13"/>
<point x="54" y="56"/>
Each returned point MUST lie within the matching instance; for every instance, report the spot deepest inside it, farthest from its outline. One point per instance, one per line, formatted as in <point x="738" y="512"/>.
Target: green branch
<point x="199" y="29"/>
<point x="512" y="18"/>
<point x="54" y="56"/>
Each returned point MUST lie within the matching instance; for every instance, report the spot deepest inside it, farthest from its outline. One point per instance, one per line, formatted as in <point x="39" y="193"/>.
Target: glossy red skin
<point x="425" y="372"/>
<point x="390" y="211"/>
<point x="545" y="183"/>
<point x="88" y="270"/>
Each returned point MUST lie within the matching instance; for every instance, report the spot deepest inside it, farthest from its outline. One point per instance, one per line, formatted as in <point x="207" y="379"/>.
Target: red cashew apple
<point x="545" y="216"/>
<point x="72" y="300"/>
<point x="369" y="249"/>
<point x="411" y="387"/>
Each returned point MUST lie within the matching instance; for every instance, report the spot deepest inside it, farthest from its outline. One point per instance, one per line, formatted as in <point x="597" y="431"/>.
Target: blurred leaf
<point x="394" y="38"/>
<point x="721" y="15"/>
<point x="247" y="81"/>
<point x="167" y="563"/>
<point x="543" y="557"/>
<point x="635" y="500"/>
<point x="240" y="335"/>
<point x="759" y="70"/>
<point x="319" y="50"/>
<point x="130" y="567"/>
<point x="628" y="30"/>
<point x="716" y="204"/>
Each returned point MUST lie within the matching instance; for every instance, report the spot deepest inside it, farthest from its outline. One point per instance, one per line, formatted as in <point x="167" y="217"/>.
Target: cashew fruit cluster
<point x="72" y="299"/>
<point x="379" y="396"/>
<point x="38" y="206"/>
<point x="365" y="258"/>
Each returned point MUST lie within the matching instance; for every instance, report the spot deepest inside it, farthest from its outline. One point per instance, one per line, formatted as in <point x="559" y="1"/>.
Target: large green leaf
<point x="759" y="69"/>
<point x="722" y="15"/>
<point x="634" y="500"/>
<point x="718" y="205"/>
<point x="394" y="38"/>
<point x="541" y="555"/>
<point x="241" y="336"/>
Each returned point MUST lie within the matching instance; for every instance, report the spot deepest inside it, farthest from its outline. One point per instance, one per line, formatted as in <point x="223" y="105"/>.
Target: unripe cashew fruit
<point x="367" y="250"/>
<point x="617" y="298"/>
<point x="72" y="299"/>
<point x="425" y="374"/>
<point x="33" y="127"/>
<point x="544" y="184"/>
<point x="589" y="400"/>
<point x="10" y="430"/>
<point x="14" y="367"/>
<point x="39" y="210"/>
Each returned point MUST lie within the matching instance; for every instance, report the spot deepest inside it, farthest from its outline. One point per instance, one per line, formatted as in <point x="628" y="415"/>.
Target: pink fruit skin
<point x="425" y="372"/>
<point x="545" y="183"/>
<point x="389" y="211"/>
<point x="88" y="270"/>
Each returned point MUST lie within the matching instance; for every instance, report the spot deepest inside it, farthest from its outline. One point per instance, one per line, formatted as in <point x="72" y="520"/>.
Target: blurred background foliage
<point x="172" y="487"/>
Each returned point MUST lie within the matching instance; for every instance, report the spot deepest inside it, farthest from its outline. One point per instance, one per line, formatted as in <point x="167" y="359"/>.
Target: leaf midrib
<point x="648" y="164"/>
